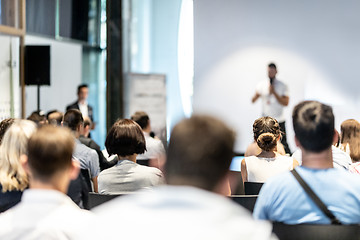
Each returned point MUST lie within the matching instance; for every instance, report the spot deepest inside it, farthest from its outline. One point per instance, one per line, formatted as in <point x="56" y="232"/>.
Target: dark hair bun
<point x="267" y="141"/>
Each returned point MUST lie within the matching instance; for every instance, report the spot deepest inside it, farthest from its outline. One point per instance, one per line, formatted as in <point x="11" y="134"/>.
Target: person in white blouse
<point x="45" y="212"/>
<point x="269" y="162"/>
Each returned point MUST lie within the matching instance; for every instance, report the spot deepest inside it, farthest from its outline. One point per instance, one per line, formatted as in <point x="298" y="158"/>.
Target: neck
<point x="321" y="160"/>
<point x="130" y="158"/>
<point x="267" y="154"/>
<point x="57" y="185"/>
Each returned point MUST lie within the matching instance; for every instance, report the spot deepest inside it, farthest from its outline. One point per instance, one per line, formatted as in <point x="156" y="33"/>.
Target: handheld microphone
<point x="271" y="81"/>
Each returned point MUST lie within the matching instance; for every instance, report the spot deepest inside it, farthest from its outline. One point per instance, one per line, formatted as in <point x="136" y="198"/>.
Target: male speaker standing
<point x="81" y="103"/>
<point x="274" y="96"/>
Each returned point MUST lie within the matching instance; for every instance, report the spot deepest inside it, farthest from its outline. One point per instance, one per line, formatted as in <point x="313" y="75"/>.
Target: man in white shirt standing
<point x="81" y="103"/>
<point x="45" y="212"/>
<point x="155" y="151"/>
<point x="191" y="206"/>
<point x="275" y="97"/>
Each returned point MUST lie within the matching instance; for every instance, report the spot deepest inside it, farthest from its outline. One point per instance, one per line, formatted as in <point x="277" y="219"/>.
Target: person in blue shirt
<point x="282" y="199"/>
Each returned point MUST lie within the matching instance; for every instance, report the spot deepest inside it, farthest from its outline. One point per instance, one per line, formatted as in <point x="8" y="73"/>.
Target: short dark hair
<point x="266" y="133"/>
<point x="125" y="138"/>
<point x="313" y="125"/>
<point x="37" y="117"/>
<point x="55" y="117"/>
<point x="81" y="86"/>
<point x="141" y="118"/>
<point x="72" y="119"/>
<point x="200" y="152"/>
<point x="50" y="150"/>
<point x="4" y="125"/>
<point x="272" y="65"/>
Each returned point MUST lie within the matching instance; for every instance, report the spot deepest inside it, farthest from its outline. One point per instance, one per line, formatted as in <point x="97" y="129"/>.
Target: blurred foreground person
<point x="191" y="206"/>
<point x="45" y="212"/>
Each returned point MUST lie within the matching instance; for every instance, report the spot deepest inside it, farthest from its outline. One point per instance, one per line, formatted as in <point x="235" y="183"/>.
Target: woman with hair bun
<point x="268" y="163"/>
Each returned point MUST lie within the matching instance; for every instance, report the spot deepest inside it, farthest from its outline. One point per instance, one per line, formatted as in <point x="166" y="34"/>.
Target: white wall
<point x="9" y="77"/>
<point x="315" y="45"/>
<point x="65" y="76"/>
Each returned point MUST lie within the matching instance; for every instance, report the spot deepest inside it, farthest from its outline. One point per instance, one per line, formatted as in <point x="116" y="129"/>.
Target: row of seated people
<point x="266" y="157"/>
<point x="196" y="172"/>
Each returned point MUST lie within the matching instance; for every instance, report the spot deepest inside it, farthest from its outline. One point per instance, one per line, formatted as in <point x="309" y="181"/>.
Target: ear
<point x="25" y="163"/>
<point x="336" y="136"/>
<point x="297" y="143"/>
<point x="74" y="169"/>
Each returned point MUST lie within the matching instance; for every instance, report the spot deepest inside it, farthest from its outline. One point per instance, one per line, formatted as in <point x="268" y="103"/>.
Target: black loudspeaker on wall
<point x="37" y="65"/>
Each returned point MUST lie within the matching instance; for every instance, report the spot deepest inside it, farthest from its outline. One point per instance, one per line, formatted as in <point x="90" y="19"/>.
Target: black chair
<point x="318" y="232"/>
<point x="86" y="175"/>
<point x="96" y="199"/>
<point x="144" y="162"/>
<point x="252" y="188"/>
<point x="247" y="201"/>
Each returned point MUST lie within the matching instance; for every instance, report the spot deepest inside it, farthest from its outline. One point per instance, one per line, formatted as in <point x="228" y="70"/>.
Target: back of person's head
<point x="37" y="117"/>
<point x="350" y="134"/>
<point x="14" y="144"/>
<point x="266" y="133"/>
<point x="349" y="129"/>
<point x="72" y="119"/>
<point x="125" y="138"/>
<point x="200" y="152"/>
<point x="4" y="125"/>
<point x="313" y="124"/>
<point x="50" y="151"/>
<point x="55" y="117"/>
<point x="141" y="118"/>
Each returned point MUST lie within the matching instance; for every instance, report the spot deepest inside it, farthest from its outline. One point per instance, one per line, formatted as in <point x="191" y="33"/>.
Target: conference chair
<point x="252" y="188"/>
<point x="247" y="201"/>
<point x="96" y="199"/>
<point x="318" y="232"/>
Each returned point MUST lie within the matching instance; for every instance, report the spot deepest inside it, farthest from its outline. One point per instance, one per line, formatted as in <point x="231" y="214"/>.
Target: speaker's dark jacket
<point x="75" y="105"/>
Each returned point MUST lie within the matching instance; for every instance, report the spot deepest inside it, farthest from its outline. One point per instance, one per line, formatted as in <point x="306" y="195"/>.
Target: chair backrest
<point x="318" y="232"/>
<point x="252" y="188"/>
<point x="247" y="201"/>
<point x="144" y="162"/>
<point x="96" y="199"/>
<point x="86" y="175"/>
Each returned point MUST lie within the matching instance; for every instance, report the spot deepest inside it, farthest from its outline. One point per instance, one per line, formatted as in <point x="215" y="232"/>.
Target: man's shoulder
<point x="81" y="150"/>
<point x="73" y="105"/>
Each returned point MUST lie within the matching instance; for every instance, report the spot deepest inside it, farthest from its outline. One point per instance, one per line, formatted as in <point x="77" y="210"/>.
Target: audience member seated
<point x="126" y="140"/>
<point x="341" y="159"/>
<point x="88" y="157"/>
<point x="55" y="117"/>
<point x="190" y="207"/>
<point x="87" y="141"/>
<point x="254" y="150"/>
<point x="45" y="212"/>
<point x="155" y="151"/>
<point x="38" y="117"/>
<point x="350" y="142"/>
<point x="4" y="126"/>
<point x="13" y="178"/>
<point x="269" y="162"/>
<point x="282" y="198"/>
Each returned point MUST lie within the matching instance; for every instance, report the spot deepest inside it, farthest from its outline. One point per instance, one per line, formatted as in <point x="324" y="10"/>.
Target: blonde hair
<point x="14" y="144"/>
<point x="350" y="138"/>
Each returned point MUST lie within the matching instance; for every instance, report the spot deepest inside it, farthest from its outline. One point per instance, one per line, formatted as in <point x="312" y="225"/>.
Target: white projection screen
<point x="315" y="44"/>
